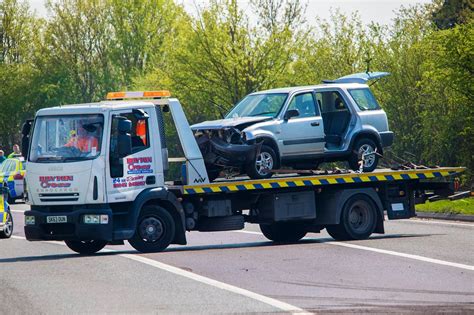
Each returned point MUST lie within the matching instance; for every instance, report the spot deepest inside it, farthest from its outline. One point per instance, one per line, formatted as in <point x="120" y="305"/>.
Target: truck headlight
<point x="96" y="219"/>
<point x="29" y="220"/>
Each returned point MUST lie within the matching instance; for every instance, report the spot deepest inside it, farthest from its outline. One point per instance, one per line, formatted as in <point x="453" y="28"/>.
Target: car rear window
<point x="364" y="99"/>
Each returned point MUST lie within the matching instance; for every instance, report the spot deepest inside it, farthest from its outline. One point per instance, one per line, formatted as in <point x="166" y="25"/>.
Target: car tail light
<point x="18" y="177"/>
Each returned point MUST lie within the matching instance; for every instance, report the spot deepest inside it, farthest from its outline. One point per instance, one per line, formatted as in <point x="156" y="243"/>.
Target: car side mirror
<point x="291" y="113"/>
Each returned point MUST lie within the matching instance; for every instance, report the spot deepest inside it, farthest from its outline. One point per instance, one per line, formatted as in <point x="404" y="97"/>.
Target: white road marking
<point x="389" y="252"/>
<point x="416" y="257"/>
<point x="434" y="221"/>
<point x="190" y="275"/>
<point x="223" y="286"/>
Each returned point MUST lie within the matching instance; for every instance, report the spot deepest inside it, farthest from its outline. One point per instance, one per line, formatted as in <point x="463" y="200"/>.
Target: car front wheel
<point x="264" y="163"/>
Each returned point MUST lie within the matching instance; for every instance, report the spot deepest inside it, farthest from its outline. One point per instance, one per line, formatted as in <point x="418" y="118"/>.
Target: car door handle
<point x="315" y="123"/>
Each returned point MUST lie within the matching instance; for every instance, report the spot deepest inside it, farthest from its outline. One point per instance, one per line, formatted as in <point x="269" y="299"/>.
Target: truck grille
<point x="59" y="197"/>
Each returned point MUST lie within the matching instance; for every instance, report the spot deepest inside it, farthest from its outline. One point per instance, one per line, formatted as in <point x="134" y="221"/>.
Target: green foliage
<point x="453" y="12"/>
<point x="211" y="60"/>
<point x="461" y="206"/>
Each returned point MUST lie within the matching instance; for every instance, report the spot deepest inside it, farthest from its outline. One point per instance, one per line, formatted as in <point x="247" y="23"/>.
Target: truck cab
<point x="91" y="166"/>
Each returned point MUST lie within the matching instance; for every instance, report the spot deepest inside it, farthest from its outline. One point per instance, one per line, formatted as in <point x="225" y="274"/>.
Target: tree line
<point x="214" y="57"/>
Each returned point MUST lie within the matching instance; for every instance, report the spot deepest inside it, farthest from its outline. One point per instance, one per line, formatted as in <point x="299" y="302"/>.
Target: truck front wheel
<point x="358" y="219"/>
<point x="283" y="231"/>
<point x="86" y="247"/>
<point x="155" y="230"/>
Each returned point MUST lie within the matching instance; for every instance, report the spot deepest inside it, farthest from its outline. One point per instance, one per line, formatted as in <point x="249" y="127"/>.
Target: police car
<point x="6" y="219"/>
<point x="12" y="173"/>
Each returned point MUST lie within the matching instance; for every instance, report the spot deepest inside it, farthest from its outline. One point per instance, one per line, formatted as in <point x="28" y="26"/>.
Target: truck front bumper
<point x="73" y="229"/>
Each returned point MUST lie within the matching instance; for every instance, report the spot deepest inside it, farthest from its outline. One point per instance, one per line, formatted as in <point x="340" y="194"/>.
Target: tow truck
<point x="112" y="187"/>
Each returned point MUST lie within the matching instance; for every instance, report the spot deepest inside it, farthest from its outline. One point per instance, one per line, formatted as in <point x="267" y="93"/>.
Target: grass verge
<point x="462" y="206"/>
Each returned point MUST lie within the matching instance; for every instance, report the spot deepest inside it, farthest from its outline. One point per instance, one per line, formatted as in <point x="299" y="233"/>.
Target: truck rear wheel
<point x="155" y="230"/>
<point x="358" y="219"/>
<point x="283" y="231"/>
<point x="86" y="247"/>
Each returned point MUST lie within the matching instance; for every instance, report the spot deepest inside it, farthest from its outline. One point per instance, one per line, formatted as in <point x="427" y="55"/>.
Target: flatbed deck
<point x="380" y="175"/>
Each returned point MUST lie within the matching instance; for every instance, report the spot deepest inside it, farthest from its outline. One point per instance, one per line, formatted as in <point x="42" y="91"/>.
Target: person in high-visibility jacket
<point x="83" y="141"/>
<point x="140" y="130"/>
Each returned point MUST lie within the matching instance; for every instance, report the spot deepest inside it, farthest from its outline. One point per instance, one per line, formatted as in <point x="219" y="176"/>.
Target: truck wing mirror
<point x="25" y="137"/>
<point x="124" y="125"/>
<point x="291" y="113"/>
<point x="124" y="139"/>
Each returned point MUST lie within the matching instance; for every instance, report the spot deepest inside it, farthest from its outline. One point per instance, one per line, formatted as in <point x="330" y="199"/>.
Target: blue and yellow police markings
<point x="320" y="180"/>
<point x="3" y="209"/>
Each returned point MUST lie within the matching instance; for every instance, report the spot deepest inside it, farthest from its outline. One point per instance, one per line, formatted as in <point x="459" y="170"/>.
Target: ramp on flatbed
<point x="381" y="175"/>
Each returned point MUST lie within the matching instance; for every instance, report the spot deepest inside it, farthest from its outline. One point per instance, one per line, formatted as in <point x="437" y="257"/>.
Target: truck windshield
<point x="66" y="138"/>
<point x="259" y="105"/>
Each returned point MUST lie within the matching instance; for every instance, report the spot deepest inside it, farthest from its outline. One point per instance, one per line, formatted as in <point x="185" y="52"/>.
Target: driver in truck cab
<point x="84" y="140"/>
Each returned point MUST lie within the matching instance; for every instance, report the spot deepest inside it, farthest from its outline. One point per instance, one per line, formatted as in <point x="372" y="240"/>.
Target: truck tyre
<point x="265" y="160"/>
<point x="86" y="247"/>
<point x="358" y="219"/>
<point x="155" y="230"/>
<point x="283" y="231"/>
<point x="364" y="145"/>
<point x="8" y="227"/>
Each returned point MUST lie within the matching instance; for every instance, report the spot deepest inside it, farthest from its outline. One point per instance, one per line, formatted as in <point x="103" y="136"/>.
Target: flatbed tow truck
<point x="113" y="189"/>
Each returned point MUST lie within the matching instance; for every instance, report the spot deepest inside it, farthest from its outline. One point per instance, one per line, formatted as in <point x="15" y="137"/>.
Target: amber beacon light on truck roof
<point x="138" y="94"/>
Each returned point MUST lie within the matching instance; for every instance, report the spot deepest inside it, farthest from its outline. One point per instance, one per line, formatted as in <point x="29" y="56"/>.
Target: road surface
<point x="417" y="266"/>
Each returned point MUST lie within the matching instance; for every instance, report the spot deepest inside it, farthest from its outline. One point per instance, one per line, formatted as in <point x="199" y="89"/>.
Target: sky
<point x="380" y="11"/>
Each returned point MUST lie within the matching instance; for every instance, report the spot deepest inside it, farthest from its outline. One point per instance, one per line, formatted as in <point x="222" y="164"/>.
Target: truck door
<point x="142" y="168"/>
<point x="303" y="133"/>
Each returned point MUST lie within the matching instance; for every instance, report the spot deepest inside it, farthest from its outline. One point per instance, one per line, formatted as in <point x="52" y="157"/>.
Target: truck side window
<point x="140" y="133"/>
<point x="140" y="140"/>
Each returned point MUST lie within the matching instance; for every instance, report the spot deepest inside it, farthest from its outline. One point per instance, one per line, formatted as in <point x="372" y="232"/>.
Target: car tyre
<point x="358" y="219"/>
<point x="265" y="160"/>
<point x="364" y="145"/>
<point x="287" y="232"/>
<point x="86" y="247"/>
<point x="155" y="230"/>
<point x="8" y="227"/>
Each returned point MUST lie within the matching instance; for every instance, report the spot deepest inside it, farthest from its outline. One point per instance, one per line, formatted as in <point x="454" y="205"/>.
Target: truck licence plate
<point x="56" y="219"/>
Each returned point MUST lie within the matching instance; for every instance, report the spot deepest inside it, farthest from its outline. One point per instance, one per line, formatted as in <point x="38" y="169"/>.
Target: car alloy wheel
<point x="264" y="163"/>
<point x="365" y="151"/>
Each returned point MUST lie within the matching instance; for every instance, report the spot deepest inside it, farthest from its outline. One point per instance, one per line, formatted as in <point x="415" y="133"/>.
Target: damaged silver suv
<point x="299" y="127"/>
